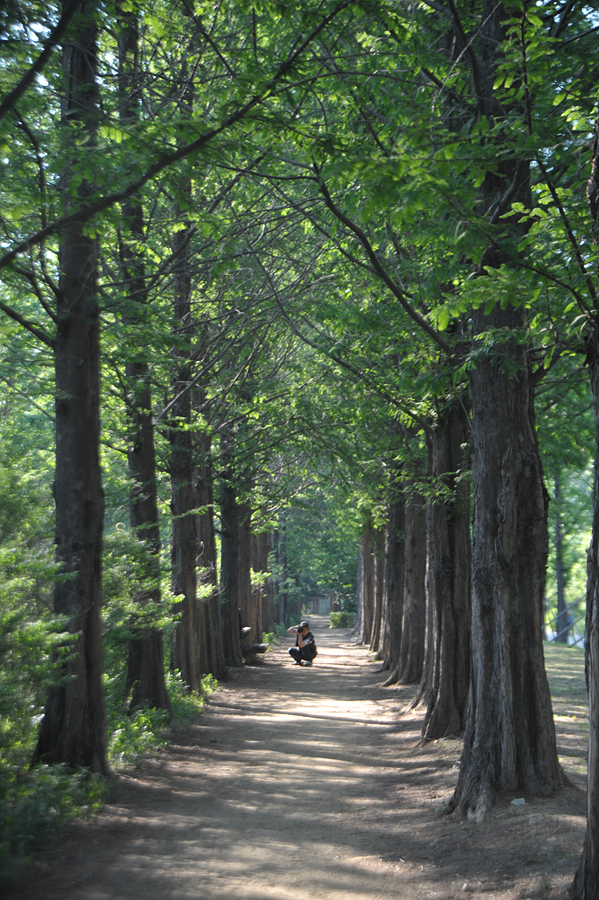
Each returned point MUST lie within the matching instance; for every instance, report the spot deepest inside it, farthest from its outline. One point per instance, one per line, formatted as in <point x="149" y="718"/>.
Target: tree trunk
<point x="367" y="584"/>
<point x="145" y="682"/>
<point x="265" y="540"/>
<point x="411" y="654"/>
<point x="231" y="589"/>
<point x="509" y="744"/>
<point x="283" y="593"/>
<point x="73" y="730"/>
<point x="276" y="579"/>
<point x="186" y="641"/>
<point x="249" y="611"/>
<point x="586" y="881"/>
<point x="212" y="659"/>
<point x="395" y="578"/>
<point x="260" y="598"/>
<point x="446" y="677"/>
<point x="379" y="590"/>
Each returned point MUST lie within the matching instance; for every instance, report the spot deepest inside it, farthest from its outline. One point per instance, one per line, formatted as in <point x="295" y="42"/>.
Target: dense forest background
<point x="298" y="301"/>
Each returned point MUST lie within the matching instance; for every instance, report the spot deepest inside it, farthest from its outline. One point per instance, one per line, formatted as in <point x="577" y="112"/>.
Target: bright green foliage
<point x="328" y="332"/>
<point x="322" y="532"/>
<point x="342" y="619"/>
<point x="35" y="803"/>
<point x="135" y="736"/>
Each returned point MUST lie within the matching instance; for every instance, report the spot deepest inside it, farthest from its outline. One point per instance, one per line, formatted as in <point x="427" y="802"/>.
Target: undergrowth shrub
<point x="342" y="620"/>
<point x="32" y="640"/>
<point x="270" y="637"/>
<point x="34" y="803"/>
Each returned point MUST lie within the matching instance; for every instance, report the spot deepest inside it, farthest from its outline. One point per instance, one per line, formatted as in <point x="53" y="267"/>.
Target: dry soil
<point x="306" y="782"/>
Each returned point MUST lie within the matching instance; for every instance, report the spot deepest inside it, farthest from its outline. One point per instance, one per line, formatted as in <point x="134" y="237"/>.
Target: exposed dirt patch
<point x="301" y="783"/>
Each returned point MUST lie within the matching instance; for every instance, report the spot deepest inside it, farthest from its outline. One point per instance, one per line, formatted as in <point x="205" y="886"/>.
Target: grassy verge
<point x="565" y="672"/>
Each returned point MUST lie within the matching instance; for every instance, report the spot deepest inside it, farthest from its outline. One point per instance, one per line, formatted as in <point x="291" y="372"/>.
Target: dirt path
<point x="302" y="783"/>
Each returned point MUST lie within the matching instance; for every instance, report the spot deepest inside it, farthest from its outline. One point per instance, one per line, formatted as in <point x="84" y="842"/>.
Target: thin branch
<point x="381" y="272"/>
<point x="569" y="231"/>
<point x="83" y="215"/>
<point x="357" y="373"/>
<point x="27" y="397"/>
<point x="34" y="329"/>
<point x="31" y="278"/>
<point x="55" y="35"/>
<point x="577" y="37"/>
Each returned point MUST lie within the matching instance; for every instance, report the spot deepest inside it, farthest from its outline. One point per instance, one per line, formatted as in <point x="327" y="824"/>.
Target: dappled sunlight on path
<point x="261" y="799"/>
<point x="302" y="783"/>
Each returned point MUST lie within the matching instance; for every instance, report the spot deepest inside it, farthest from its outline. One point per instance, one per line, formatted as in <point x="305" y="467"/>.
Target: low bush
<point x="33" y="803"/>
<point x="342" y="620"/>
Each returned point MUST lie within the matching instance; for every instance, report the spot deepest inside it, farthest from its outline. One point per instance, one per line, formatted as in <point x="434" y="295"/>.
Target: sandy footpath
<point x="261" y="799"/>
<point x="304" y="783"/>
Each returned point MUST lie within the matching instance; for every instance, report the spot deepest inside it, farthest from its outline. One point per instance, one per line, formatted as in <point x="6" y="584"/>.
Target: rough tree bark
<point x="394" y="588"/>
<point x="145" y="682"/>
<point x="73" y="730"/>
<point x="212" y="659"/>
<point x="231" y="589"/>
<point x="411" y="653"/>
<point x="446" y="675"/>
<point x="509" y="742"/>
<point x="367" y="583"/>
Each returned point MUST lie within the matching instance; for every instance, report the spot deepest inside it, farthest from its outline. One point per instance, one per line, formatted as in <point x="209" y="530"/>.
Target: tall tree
<point x="145" y="682"/>
<point x="446" y="677"/>
<point x="73" y="729"/>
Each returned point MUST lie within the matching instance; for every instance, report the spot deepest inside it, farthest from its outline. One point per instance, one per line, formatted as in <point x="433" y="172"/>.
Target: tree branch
<point x="55" y="35"/>
<point x="86" y="213"/>
<point x="380" y="271"/>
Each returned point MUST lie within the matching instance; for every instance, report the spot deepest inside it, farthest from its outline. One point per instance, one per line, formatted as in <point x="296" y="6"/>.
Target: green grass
<point x="565" y="673"/>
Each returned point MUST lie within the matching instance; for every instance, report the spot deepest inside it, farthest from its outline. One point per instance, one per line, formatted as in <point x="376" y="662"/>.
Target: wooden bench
<point x="250" y="651"/>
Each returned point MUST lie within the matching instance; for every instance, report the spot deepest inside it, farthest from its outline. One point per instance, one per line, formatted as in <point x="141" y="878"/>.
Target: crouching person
<point x="305" y="647"/>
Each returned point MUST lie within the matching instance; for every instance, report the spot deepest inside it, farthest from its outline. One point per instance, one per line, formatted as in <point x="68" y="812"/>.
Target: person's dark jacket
<point x="309" y="649"/>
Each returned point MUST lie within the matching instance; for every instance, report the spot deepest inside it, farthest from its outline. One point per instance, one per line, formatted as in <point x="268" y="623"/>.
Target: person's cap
<point x="304" y="625"/>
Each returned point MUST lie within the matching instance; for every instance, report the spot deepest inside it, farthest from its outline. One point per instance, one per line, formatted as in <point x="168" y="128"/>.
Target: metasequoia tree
<point x="145" y="682"/>
<point x="411" y="650"/>
<point x="379" y="590"/>
<point x="212" y="660"/>
<point x="509" y="742"/>
<point x="186" y="641"/>
<point x="394" y="573"/>
<point x="446" y="676"/>
<point x="73" y="729"/>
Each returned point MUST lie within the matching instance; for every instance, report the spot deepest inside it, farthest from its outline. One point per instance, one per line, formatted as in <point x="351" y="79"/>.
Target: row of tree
<point x="342" y="241"/>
